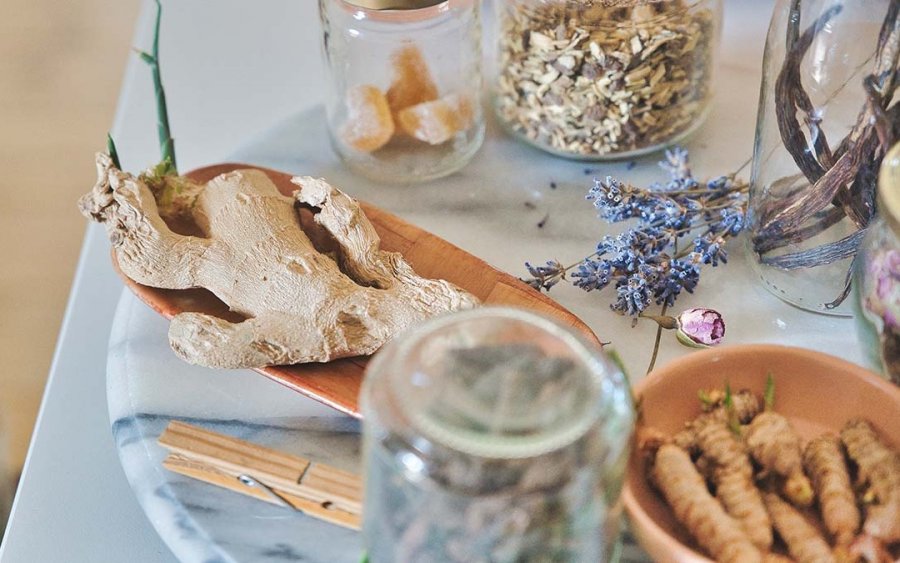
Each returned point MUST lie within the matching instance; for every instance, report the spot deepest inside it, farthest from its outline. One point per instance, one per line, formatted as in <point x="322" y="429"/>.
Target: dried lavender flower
<point x="648" y="262"/>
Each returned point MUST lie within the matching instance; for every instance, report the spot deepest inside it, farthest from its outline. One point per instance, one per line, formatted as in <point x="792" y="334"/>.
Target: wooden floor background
<point x="61" y="65"/>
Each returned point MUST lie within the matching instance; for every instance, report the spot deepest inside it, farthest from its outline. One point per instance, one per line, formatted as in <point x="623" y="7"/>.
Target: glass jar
<point x="877" y="279"/>
<point x="404" y="99"/>
<point x="817" y="149"/>
<point x="602" y="79"/>
<point x="493" y="435"/>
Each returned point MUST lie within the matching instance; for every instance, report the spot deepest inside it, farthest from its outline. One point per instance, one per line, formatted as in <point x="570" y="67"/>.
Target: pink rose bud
<point x="700" y="328"/>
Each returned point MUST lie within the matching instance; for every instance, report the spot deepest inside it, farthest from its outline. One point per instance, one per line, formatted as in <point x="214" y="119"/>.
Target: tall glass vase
<point x="825" y="122"/>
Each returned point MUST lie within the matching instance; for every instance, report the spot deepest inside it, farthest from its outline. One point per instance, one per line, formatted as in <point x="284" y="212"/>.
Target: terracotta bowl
<point x="815" y="391"/>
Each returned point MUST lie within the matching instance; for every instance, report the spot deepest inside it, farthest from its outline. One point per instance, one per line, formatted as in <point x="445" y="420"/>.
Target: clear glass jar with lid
<point x="493" y="435"/>
<point x="877" y="275"/>
<point x="603" y="79"/>
<point x="404" y="100"/>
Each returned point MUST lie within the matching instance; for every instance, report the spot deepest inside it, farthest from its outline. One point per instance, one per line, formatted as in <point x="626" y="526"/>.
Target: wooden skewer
<point x="316" y="489"/>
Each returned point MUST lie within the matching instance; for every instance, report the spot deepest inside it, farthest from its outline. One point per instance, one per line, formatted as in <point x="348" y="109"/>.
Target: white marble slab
<point x="482" y="209"/>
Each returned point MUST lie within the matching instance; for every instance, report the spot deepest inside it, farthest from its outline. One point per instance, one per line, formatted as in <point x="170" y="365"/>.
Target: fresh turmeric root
<point x="684" y="489"/>
<point x="879" y="467"/>
<point x="824" y="462"/>
<point x="804" y="542"/>
<point x="776" y="447"/>
<point x="746" y="405"/>
<point x="866" y="549"/>
<point x="732" y="474"/>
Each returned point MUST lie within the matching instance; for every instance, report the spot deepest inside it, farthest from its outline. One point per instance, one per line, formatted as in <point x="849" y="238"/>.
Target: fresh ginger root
<point x="776" y="447"/>
<point x="732" y="474"/>
<point x="804" y="542"/>
<point x="301" y="305"/>
<point x="879" y="467"/>
<point x="684" y="489"/>
<point x="824" y="463"/>
<point x="746" y="405"/>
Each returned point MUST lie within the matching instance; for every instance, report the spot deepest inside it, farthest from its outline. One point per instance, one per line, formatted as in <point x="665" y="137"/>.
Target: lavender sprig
<point x="644" y="264"/>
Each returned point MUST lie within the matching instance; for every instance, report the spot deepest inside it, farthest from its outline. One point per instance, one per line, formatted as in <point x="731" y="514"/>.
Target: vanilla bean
<point x="888" y="50"/>
<point x="797" y="210"/>
<point x="818" y="256"/>
<point x="828" y="219"/>
<point x="852" y="150"/>
<point x="790" y="95"/>
<point x="848" y="283"/>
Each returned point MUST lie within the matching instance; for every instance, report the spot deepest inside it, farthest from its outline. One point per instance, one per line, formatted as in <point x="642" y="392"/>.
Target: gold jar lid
<point x="889" y="189"/>
<point x="394" y="4"/>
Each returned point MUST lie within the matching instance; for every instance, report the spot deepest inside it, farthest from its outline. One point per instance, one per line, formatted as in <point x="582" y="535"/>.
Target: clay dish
<point x="817" y="392"/>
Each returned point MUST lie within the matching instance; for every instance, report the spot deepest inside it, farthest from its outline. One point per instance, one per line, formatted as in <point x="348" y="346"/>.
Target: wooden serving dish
<point x="337" y="383"/>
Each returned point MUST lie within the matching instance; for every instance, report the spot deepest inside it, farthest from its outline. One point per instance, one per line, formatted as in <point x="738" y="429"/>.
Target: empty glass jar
<point x="493" y="435"/>
<point x="877" y="282"/>
<point x="600" y="79"/>
<point x="404" y="103"/>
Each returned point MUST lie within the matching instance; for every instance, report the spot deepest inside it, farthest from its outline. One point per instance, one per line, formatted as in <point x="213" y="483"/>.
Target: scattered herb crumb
<point x="543" y="222"/>
<point x="530" y="205"/>
<point x="631" y="165"/>
<point x="552" y="185"/>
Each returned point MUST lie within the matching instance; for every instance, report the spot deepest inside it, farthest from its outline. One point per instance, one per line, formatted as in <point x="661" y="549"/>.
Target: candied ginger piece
<point x="369" y="124"/>
<point x="412" y="83"/>
<point x="438" y="121"/>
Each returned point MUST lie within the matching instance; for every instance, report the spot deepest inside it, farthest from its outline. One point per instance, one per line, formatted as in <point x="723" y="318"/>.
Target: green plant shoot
<point x="769" y="394"/>
<point x="733" y="423"/>
<point x="113" y="153"/>
<point x="166" y="142"/>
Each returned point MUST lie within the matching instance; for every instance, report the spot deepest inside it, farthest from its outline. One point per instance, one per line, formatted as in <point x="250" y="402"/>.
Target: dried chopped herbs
<point x="587" y="79"/>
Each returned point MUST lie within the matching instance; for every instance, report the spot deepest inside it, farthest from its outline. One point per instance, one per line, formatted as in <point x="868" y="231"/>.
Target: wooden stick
<point x="315" y="489"/>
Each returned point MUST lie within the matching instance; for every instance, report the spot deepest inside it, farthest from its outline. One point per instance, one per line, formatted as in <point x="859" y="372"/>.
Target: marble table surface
<point x="492" y="208"/>
<point x="217" y="58"/>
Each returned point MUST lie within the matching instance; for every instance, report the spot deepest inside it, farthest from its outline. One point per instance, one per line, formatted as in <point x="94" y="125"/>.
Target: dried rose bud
<point x="700" y="328"/>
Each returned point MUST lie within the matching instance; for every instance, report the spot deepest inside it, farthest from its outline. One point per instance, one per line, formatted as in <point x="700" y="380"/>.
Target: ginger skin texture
<point x="674" y="474"/>
<point x="879" y="468"/>
<point x="301" y="305"/>
<point x="804" y="542"/>
<point x="732" y="474"/>
<point x="776" y="447"/>
<point x="824" y="463"/>
<point x="746" y="406"/>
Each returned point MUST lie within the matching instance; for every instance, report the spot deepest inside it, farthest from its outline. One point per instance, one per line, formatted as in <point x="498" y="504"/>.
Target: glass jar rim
<point x="593" y="367"/>
<point x="394" y="4"/>
<point x="401" y="11"/>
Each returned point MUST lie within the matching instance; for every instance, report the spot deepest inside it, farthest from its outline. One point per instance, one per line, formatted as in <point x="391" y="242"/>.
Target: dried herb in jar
<point x="501" y="471"/>
<point x="591" y="78"/>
